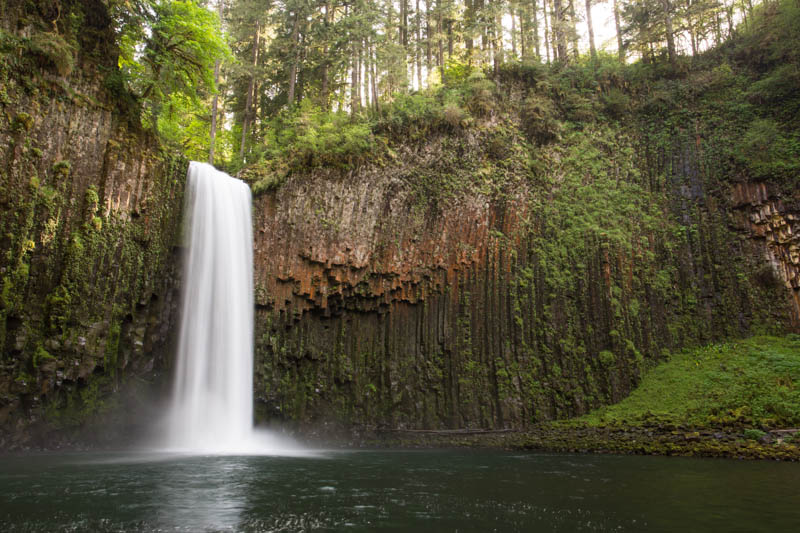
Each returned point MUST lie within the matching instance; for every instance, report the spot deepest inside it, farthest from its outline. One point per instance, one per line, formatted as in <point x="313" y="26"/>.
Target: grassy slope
<point x="741" y="383"/>
<point x="721" y="400"/>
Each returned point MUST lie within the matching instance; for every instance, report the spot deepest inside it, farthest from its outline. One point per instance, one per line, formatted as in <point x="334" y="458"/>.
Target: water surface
<point x="395" y="491"/>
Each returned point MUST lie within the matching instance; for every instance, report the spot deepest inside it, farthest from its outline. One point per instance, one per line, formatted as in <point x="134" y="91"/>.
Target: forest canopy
<point x="242" y="81"/>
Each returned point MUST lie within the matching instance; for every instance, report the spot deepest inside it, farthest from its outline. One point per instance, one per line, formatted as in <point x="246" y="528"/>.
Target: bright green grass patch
<point x="753" y="381"/>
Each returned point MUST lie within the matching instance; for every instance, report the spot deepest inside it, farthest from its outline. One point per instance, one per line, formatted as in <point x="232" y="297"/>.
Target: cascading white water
<point x="212" y="402"/>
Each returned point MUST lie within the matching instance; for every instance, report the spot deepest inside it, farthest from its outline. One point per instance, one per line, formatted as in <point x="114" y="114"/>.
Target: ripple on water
<point x="377" y="491"/>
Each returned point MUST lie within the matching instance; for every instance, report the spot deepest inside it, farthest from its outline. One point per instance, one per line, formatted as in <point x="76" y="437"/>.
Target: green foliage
<point x="753" y="434"/>
<point x="752" y="382"/>
<point x="770" y="46"/>
<point x="539" y="119"/>
<point x="768" y="153"/>
<point x="167" y="57"/>
<point x="528" y="72"/>
<point x="457" y="72"/>
<point x="54" y="50"/>
<point x="447" y="108"/>
<point x="616" y="102"/>
<point x="22" y="122"/>
<point x="777" y="87"/>
<point x="183" y="123"/>
<point x="265" y="175"/>
<point x="590" y="204"/>
<point x="480" y="95"/>
<point x="41" y="356"/>
<point x="772" y="37"/>
<point x="607" y="358"/>
<point x="309" y="137"/>
<point x="413" y="114"/>
<point x="62" y="168"/>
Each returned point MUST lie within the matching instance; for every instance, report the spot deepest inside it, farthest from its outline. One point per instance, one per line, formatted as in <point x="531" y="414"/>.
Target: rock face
<point x="447" y="286"/>
<point x="90" y="210"/>
<point x="493" y="275"/>
<point x="773" y="220"/>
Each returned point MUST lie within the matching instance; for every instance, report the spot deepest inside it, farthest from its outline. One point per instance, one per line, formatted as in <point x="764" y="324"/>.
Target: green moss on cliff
<point x="614" y="235"/>
<point x="744" y="382"/>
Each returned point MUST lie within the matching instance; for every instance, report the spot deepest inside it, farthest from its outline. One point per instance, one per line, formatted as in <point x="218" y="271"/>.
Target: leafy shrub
<point x="615" y="102"/>
<point x="528" y="72"/>
<point x="766" y="152"/>
<point x="609" y="71"/>
<point x="266" y="175"/>
<point x="417" y="114"/>
<point x="54" y="50"/>
<point x="457" y="72"/>
<point x="753" y="434"/>
<point x="578" y="108"/>
<point x="480" y="95"/>
<point x="539" y="120"/>
<point x="607" y="358"/>
<point x="410" y="114"/>
<point x="779" y="86"/>
<point x="310" y="137"/>
<point x="454" y="116"/>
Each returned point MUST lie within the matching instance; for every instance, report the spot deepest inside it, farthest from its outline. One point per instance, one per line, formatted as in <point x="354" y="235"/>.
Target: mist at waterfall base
<point x="211" y="408"/>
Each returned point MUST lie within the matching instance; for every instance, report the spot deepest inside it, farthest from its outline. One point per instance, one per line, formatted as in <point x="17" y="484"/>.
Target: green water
<point x="396" y="491"/>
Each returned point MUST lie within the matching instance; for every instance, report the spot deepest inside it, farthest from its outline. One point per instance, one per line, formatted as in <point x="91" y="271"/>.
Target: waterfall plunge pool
<point x="426" y="490"/>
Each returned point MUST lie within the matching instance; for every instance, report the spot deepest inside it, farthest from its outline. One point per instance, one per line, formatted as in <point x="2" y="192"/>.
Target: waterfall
<point x="212" y="400"/>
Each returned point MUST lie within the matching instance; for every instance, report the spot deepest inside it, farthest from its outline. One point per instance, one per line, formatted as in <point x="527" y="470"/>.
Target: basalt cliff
<point x="89" y="209"/>
<point x="458" y="284"/>
<point x="524" y="259"/>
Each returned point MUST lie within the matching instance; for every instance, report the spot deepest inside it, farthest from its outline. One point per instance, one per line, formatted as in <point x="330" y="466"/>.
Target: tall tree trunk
<point x="535" y="17"/>
<point x="367" y="75"/>
<point x="449" y="38"/>
<point x="428" y="36"/>
<point x="559" y="22"/>
<point x="250" y="89"/>
<point x="718" y="28"/>
<point x="497" y="43"/>
<point x="361" y="91"/>
<point x="374" y="82"/>
<point x="729" y="16"/>
<point x="744" y="19"/>
<point x="341" y="92"/>
<point x="469" y="23"/>
<point x="546" y="29"/>
<point x="512" y="10"/>
<point x="481" y="17"/>
<point x="355" y="84"/>
<point x="670" y="36"/>
<point x="523" y="12"/>
<point x="691" y="27"/>
<point x="589" y="25"/>
<point x="404" y="23"/>
<point x="215" y="101"/>
<point x="295" y="59"/>
<point x="573" y="30"/>
<point x="440" y="43"/>
<point x="323" y="91"/>
<point x="620" y="46"/>
<point x="417" y="44"/>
